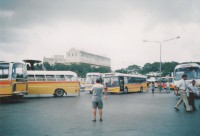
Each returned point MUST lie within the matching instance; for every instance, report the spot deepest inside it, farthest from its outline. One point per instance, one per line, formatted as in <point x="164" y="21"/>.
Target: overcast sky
<point x="114" y="28"/>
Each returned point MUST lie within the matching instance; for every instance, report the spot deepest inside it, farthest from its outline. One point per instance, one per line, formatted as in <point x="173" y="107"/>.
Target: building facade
<point x="54" y="59"/>
<point x="78" y="56"/>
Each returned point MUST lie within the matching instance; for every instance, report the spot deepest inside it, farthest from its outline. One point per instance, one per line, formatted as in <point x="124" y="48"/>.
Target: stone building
<point x="54" y="59"/>
<point x="78" y="56"/>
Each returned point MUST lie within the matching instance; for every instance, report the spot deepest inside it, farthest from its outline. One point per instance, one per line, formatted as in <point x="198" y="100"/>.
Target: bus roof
<point x="122" y="74"/>
<point x="93" y="73"/>
<point x="51" y="73"/>
<point x="11" y="62"/>
<point x="187" y="65"/>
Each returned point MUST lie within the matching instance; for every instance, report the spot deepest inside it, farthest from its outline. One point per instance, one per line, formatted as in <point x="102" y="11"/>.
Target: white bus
<point x="192" y="70"/>
<point x="55" y="83"/>
<point x="91" y="79"/>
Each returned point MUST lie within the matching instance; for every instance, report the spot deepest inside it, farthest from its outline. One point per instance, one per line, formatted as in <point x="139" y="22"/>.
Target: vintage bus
<point x="55" y="83"/>
<point x="124" y="83"/>
<point x="91" y="79"/>
<point x="192" y="70"/>
<point x="13" y="79"/>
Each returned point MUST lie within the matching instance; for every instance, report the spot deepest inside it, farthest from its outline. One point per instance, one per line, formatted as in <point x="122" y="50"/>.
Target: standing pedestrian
<point x="192" y="91"/>
<point x="167" y="87"/>
<point x="152" y="87"/>
<point x="182" y="87"/>
<point x="97" y="93"/>
<point x="160" y="87"/>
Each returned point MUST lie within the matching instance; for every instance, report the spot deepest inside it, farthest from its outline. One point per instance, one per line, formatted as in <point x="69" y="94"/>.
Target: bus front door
<point x="121" y="84"/>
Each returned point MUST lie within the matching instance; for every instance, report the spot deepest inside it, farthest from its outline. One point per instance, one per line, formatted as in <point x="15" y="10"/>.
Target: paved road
<point x="135" y="114"/>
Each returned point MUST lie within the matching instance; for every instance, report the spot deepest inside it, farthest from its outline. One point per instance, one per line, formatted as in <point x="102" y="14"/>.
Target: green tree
<point x="60" y="67"/>
<point x="47" y="66"/>
<point x="134" y="69"/>
<point x="168" y="68"/>
<point x="122" y="70"/>
<point x="148" y="67"/>
<point x="81" y="69"/>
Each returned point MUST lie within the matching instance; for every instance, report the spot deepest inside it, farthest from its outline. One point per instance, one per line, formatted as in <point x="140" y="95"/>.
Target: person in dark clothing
<point x="192" y="91"/>
<point x="152" y="87"/>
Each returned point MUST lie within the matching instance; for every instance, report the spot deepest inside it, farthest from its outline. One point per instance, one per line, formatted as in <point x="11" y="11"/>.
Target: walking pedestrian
<point x="182" y="87"/>
<point x="152" y="87"/>
<point x="97" y="93"/>
<point x="192" y="91"/>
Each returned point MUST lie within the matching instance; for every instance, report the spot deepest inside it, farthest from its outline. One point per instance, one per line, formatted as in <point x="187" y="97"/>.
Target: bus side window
<point x="130" y="80"/>
<point x="69" y="78"/>
<point x="31" y="78"/>
<point x="3" y="73"/>
<point x="125" y="80"/>
<point x="40" y="78"/>
<point x="60" y="78"/>
<point x="50" y="78"/>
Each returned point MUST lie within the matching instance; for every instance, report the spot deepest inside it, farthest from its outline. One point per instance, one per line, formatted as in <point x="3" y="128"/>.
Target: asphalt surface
<point x="135" y="114"/>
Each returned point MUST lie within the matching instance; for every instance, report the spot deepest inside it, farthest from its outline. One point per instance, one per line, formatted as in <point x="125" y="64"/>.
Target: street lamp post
<point x="160" y="42"/>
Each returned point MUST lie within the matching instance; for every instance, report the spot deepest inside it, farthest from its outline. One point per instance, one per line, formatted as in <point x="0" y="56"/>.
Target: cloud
<point x="115" y="28"/>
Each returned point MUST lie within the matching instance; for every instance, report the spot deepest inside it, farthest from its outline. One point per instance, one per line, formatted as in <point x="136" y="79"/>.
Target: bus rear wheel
<point x="59" y="92"/>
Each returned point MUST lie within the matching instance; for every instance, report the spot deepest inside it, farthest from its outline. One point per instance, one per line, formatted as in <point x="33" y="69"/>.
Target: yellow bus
<point x="55" y="83"/>
<point x="13" y="79"/>
<point x="124" y="83"/>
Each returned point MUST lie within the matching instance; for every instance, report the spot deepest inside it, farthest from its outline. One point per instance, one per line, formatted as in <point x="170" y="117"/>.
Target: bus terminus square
<point x="13" y="79"/>
<point x="55" y="83"/>
<point x="124" y="83"/>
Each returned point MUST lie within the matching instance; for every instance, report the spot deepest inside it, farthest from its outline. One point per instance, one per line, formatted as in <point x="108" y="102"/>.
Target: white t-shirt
<point x="182" y="85"/>
<point x="167" y="84"/>
<point x="97" y="92"/>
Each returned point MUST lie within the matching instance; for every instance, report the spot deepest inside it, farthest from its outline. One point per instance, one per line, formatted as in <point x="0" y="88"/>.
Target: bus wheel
<point x="125" y="90"/>
<point x="59" y="92"/>
<point x="141" y="89"/>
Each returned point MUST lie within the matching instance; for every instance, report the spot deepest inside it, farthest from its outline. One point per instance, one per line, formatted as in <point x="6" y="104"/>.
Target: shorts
<point x="98" y="105"/>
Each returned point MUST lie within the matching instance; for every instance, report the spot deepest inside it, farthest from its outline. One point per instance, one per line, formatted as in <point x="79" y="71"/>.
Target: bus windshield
<point x="19" y="71"/>
<point x="170" y="80"/>
<point x="4" y="70"/>
<point x="191" y="72"/>
<point x="91" y="79"/>
<point x="111" y="81"/>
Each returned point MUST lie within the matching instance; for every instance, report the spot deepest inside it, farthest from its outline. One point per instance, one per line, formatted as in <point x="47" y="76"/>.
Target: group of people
<point x="160" y="87"/>
<point x="187" y="94"/>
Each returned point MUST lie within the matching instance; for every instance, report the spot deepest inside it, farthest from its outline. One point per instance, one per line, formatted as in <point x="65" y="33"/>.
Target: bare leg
<point x="94" y="113"/>
<point x="100" y="113"/>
